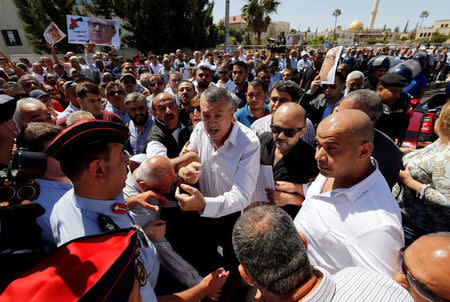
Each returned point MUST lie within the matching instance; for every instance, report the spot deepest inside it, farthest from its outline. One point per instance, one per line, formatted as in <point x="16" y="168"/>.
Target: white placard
<point x="82" y="30"/>
<point x="328" y="70"/>
<point x="53" y="34"/>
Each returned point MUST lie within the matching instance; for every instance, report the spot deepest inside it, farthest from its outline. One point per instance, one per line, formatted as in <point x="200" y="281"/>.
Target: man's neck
<point x="257" y="113"/>
<point x="348" y="181"/>
<point x="224" y="81"/>
<point x="240" y="86"/>
<point x="62" y="179"/>
<point x="217" y="145"/>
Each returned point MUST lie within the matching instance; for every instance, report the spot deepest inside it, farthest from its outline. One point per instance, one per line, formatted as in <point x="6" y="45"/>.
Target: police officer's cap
<point x="393" y="80"/>
<point x="84" y="133"/>
<point x="93" y="268"/>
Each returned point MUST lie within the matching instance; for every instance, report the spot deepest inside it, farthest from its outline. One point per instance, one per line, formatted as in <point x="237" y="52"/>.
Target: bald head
<point x="351" y="123"/>
<point x="428" y="260"/>
<point x="155" y="173"/>
<point x="291" y="111"/>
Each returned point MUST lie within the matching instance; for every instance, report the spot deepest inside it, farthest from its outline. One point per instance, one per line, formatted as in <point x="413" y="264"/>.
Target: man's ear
<point x="401" y="279"/>
<point x="366" y="150"/>
<point x="143" y="185"/>
<point x="96" y="169"/>
<point x="245" y="276"/>
<point x="303" y="237"/>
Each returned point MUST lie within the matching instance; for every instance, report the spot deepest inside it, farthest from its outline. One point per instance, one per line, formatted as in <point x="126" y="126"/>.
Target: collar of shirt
<point x="326" y="289"/>
<point x="98" y="206"/>
<point x="355" y="191"/>
<point x="134" y="129"/>
<point x="232" y="138"/>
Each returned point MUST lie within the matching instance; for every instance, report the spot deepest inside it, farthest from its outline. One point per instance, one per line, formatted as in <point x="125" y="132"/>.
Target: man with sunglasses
<point x="349" y="215"/>
<point x="115" y="93"/>
<point x="291" y="158"/>
<point x="320" y="105"/>
<point x="225" y="81"/>
<point x="156" y="85"/>
<point x="423" y="268"/>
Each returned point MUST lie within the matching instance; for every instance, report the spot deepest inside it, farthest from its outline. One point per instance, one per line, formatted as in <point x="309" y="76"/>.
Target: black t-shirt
<point x="298" y="166"/>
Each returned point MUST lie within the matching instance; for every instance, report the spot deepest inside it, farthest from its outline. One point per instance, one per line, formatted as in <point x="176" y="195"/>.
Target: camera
<point x="17" y="180"/>
<point x="277" y="48"/>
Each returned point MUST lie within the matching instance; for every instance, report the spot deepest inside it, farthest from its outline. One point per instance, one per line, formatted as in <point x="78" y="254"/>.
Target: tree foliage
<point x="36" y="15"/>
<point x="161" y="25"/>
<point x="234" y="33"/>
<point x="336" y="13"/>
<point x="256" y="13"/>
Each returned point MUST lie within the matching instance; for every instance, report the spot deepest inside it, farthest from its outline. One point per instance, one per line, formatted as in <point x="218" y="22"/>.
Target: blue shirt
<point x="244" y="116"/>
<point x="123" y="116"/>
<point x="51" y="192"/>
<point x="329" y="108"/>
<point x="137" y="140"/>
<point x="420" y="81"/>
<point x="74" y="216"/>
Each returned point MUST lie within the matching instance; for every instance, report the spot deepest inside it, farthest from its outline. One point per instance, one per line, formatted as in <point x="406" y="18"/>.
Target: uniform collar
<point x="99" y="206"/>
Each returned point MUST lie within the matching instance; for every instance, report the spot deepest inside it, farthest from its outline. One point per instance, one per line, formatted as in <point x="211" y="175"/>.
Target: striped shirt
<point x="354" y="284"/>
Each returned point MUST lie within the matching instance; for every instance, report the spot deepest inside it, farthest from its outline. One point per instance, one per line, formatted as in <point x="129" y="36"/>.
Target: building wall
<point x="442" y="26"/>
<point x="10" y="21"/>
<point x="275" y="28"/>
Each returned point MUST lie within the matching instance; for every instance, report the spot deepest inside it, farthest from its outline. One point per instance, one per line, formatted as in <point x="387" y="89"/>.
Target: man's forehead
<point x="164" y="99"/>
<point x="280" y="94"/>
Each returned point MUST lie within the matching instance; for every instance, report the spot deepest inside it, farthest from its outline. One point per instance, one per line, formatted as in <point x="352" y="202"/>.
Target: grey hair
<point x="151" y="175"/>
<point x="368" y="99"/>
<point x="135" y="97"/>
<point x="268" y="246"/>
<point x="175" y="73"/>
<point x="18" y="113"/>
<point x="78" y="116"/>
<point x="113" y="84"/>
<point x="145" y="79"/>
<point x="214" y="94"/>
<point x="356" y="74"/>
<point x="288" y="86"/>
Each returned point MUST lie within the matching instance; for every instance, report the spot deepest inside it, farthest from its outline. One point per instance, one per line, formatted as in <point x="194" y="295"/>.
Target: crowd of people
<point x="235" y="167"/>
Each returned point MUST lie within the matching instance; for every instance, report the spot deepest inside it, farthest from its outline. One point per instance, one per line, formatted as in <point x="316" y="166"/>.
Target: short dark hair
<point x="77" y="160"/>
<point x="204" y="68"/>
<point x="340" y="77"/>
<point x="187" y="81"/>
<point x="288" y="86"/>
<point x="87" y="87"/>
<point x="270" y="249"/>
<point x="35" y="135"/>
<point x="258" y="83"/>
<point x="262" y="68"/>
<point x="241" y="64"/>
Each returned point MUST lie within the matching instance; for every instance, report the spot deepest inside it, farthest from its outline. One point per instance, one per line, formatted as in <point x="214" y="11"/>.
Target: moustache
<point x="169" y="116"/>
<point x="280" y="140"/>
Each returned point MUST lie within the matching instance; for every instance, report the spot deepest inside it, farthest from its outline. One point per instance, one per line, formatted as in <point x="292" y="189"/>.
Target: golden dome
<point x="357" y="24"/>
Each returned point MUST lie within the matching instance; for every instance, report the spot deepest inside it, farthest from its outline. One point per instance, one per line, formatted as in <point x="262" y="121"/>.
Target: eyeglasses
<point x="154" y="84"/>
<point x="325" y="86"/>
<point x="287" y="131"/>
<point x="418" y="286"/>
<point x="116" y="92"/>
<point x="223" y="72"/>
<point x="192" y="109"/>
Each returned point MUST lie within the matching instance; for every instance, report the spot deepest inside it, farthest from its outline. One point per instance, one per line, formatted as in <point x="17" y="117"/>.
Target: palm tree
<point x="423" y="15"/>
<point x="336" y="13"/>
<point x="256" y="13"/>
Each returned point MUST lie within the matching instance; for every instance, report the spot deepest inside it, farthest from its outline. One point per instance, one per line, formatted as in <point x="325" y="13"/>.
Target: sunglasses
<point x="287" y="131"/>
<point x="223" y="72"/>
<point x="192" y="109"/>
<point x="418" y="286"/>
<point x="325" y="86"/>
<point x="130" y="81"/>
<point x="116" y="92"/>
<point x="154" y="84"/>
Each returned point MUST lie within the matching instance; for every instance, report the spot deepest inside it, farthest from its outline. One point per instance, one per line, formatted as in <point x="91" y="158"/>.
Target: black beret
<point x="92" y="268"/>
<point x="84" y="133"/>
<point x="393" y="80"/>
<point x="7" y="107"/>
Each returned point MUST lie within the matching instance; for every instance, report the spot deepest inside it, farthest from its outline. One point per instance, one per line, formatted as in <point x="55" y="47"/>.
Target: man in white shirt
<point x="274" y="259"/>
<point x="349" y="215"/>
<point x="38" y="72"/>
<point x="225" y="81"/>
<point x="229" y="155"/>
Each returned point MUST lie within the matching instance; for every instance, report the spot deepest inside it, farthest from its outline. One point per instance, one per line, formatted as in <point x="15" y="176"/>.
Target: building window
<point x="11" y="37"/>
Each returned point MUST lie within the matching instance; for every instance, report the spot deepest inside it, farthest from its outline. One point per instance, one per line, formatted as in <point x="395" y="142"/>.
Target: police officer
<point x="376" y="68"/>
<point x="92" y="156"/>
<point x="394" y="121"/>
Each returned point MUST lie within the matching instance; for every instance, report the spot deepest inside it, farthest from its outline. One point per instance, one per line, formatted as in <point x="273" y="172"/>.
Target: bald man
<point x="156" y="175"/>
<point x="349" y="215"/>
<point x="291" y="158"/>
<point x="424" y="268"/>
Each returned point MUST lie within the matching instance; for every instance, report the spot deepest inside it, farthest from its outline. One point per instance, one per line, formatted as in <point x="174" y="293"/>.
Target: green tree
<point x="161" y="25"/>
<point x="36" y="15"/>
<point x="423" y="15"/>
<point x="437" y="37"/>
<point x="336" y="13"/>
<point x="236" y="33"/>
<point x="247" y="39"/>
<point x="256" y="13"/>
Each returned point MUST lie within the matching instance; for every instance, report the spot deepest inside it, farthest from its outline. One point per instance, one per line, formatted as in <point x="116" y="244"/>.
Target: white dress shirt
<point x="358" y="226"/>
<point x="230" y="86"/>
<point x="302" y="65"/>
<point x="156" y="148"/>
<point x="68" y="111"/>
<point x="229" y="174"/>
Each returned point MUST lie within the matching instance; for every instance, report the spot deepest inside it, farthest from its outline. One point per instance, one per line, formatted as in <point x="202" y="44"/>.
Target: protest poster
<point x="53" y="34"/>
<point x="294" y="39"/>
<point x="328" y="70"/>
<point x="82" y="30"/>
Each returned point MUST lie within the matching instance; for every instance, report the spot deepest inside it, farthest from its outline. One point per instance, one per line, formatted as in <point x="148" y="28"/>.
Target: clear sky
<point x="317" y="13"/>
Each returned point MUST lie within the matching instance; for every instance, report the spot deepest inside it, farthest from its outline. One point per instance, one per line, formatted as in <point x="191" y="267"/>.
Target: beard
<point x="203" y="84"/>
<point x="140" y="119"/>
